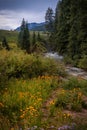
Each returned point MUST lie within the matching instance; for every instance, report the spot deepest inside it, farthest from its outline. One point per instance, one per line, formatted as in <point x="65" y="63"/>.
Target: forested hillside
<point x="70" y="29"/>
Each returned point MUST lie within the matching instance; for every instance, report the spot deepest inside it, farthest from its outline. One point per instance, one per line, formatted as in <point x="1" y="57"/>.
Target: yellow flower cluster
<point x="52" y="102"/>
<point x="29" y="112"/>
<point x="23" y="94"/>
<point x="49" y="77"/>
<point x="63" y="91"/>
<point x="67" y="115"/>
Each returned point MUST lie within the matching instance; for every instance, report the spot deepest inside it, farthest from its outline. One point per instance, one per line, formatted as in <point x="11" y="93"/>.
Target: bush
<point x="83" y="63"/>
<point x="71" y="83"/>
<point x="75" y="83"/>
<point x="82" y="126"/>
<point x="68" y="60"/>
<point x="71" y="99"/>
<point x="21" y="65"/>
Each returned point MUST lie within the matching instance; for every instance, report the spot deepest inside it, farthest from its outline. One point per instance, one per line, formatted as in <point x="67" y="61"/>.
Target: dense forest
<point x="69" y="31"/>
<point x="71" y="27"/>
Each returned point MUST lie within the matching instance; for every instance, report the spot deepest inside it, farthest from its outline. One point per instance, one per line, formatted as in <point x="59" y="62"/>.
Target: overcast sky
<point x="13" y="11"/>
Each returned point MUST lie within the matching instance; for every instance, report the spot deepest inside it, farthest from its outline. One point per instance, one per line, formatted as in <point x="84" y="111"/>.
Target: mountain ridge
<point x="34" y="26"/>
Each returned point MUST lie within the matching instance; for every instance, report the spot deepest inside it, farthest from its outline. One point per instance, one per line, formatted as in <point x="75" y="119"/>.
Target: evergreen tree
<point x="57" y="14"/>
<point x="70" y="26"/>
<point x="57" y="24"/>
<point x="38" y="37"/>
<point x="82" y="23"/>
<point x="24" y="37"/>
<point x="62" y="25"/>
<point x="33" y="38"/>
<point x="5" y="44"/>
<point x="27" y="39"/>
<point x="49" y="19"/>
<point x="78" y="31"/>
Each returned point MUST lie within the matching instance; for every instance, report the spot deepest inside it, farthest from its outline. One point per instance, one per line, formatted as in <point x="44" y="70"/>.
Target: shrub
<point x="19" y="64"/>
<point x="83" y="63"/>
<point x="71" y="99"/>
<point x="71" y="83"/>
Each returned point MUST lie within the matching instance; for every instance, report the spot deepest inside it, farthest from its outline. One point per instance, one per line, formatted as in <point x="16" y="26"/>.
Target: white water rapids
<point x="54" y="55"/>
<point x="70" y="70"/>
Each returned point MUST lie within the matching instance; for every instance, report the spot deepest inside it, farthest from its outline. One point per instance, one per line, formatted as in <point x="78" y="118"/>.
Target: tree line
<point x="69" y="30"/>
<point x="24" y="41"/>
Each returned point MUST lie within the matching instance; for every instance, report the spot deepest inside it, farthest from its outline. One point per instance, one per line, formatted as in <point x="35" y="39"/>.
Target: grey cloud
<point x="27" y="4"/>
<point x="12" y="11"/>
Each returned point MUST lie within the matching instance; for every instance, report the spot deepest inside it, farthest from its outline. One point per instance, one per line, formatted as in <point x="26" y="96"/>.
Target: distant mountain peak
<point x="34" y="26"/>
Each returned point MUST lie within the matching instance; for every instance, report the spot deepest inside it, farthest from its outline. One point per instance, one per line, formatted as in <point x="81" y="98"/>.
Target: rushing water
<point x="70" y="70"/>
<point x="53" y="55"/>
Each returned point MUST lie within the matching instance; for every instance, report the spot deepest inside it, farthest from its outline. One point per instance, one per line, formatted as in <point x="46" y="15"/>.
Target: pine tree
<point x="78" y="30"/>
<point x="82" y="23"/>
<point x="62" y="25"/>
<point x="38" y="37"/>
<point x="33" y="38"/>
<point x="49" y="19"/>
<point x="5" y="44"/>
<point x="24" y="37"/>
<point x="73" y="42"/>
<point x="70" y="28"/>
<point x="57" y="14"/>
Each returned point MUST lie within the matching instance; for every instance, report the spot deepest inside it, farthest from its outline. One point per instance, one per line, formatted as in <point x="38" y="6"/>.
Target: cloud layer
<point x="13" y="11"/>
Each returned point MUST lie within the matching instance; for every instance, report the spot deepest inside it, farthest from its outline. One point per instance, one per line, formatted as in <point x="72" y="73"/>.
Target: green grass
<point x="76" y="83"/>
<point x="21" y="102"/>
<point x="11" y="36"/>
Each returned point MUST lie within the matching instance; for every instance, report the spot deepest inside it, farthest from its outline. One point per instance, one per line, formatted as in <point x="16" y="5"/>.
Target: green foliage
<point x="62" y="25"/>
<point x="75" y="83"/>
<point x="71" y="100"/>
<point x="70" y="26"/>
<point x="11" y="36"/>
<point x="33" y="38"/>
<point x="21" y="102"/>
<point x="67" y="60"/>
<point x="71" y="84"/>
<point x="26" y="81"/>
<point x="71" y="97"/>
<point x="3" y="75"/>
<point x="23" y="39"/>
<point x="81" y="126"/>
<point x="4" y="123"/>
<point x="38" y="37"/>
<point x="38" y="48"/>
<point x="49" y="19"/>
<point x="83" y="63"/>
<point x="21" y="65"/>
<point x="5" y="44"/>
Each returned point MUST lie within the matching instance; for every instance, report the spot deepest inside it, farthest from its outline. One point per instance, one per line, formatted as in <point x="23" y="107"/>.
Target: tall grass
<point x="21" y="103"/>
